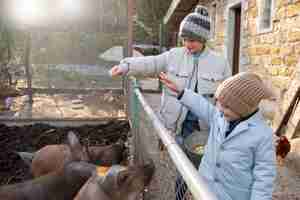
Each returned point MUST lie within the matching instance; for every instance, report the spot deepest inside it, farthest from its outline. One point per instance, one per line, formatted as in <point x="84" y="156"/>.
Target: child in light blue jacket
<point x="239" y="159"/>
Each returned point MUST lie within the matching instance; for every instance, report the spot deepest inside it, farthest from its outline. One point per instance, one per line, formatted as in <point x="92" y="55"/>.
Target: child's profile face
<point x="229" y="115"/>
<point x="193" y="46"/>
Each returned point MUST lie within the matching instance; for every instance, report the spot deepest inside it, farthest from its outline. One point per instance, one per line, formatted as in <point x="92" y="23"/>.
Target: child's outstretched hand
<point x="115" y="71"/>
<point x="168" y="83"/>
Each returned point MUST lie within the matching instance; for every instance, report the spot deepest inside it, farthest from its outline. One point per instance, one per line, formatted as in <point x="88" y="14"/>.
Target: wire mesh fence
<point x="148" y="142"/>
<point x="146" y="145"/>
<point x="61" y="61"/>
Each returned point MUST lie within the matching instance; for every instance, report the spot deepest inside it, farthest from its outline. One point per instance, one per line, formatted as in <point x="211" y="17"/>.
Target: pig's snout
<point x="119" y="182"/>
<point x="83" y="169"/>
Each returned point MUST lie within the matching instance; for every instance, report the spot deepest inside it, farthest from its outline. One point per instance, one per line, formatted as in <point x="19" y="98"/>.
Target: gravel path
<point x="287" y="183"/>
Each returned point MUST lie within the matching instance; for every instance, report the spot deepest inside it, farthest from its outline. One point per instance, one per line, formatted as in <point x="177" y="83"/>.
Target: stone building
<point x="262" y="36"/>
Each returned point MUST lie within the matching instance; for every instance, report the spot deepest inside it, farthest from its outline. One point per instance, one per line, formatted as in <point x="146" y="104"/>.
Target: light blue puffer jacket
<point x="241" y="166"/>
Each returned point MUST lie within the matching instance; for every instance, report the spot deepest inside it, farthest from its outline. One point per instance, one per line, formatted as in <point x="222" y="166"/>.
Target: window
<point x="265" y="15"/>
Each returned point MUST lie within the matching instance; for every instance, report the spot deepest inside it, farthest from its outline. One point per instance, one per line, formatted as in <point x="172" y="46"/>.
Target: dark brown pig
<point x="59" y="185"/>
<point x="52" y="157"/>
<point x="118" y="183"/>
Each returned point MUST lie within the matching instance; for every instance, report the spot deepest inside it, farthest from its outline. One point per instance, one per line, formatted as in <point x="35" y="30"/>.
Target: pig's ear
<point x="74" y="144"/>
<point x="122" y="177"/>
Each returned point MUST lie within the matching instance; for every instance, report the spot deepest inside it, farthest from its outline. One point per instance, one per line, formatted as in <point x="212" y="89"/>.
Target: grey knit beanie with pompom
<point x="196" y="25"/>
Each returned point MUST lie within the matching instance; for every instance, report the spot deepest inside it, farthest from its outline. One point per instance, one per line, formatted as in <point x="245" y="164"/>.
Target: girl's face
<point x="229" y="115"/>
<point x="193" y="46"/>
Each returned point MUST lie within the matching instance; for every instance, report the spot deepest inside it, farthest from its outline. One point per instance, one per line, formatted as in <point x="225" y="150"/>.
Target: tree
<point x="6" y="47"/>
<point x="149" y="15"/>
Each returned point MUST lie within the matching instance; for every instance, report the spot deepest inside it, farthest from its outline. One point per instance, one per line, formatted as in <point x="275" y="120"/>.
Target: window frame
<point x="260" y="28"/>
<point x="213" y="19"/>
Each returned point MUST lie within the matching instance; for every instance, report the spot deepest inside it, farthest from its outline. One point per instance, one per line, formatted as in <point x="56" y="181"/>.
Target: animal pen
<point x="63" y="76"/>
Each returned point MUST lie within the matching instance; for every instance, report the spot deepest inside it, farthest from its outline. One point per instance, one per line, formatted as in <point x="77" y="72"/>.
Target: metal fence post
<point x="135" y="111"/>
<point x="161" y="46"/>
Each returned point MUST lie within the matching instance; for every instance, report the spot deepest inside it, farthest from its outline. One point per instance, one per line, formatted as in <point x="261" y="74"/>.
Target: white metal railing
<point x="191" y="176"/>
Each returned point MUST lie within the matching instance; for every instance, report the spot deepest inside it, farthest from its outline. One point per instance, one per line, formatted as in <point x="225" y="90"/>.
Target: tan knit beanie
<point x="242" y="93"/>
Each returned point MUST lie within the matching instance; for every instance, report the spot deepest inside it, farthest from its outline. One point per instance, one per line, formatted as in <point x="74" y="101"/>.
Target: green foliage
<point x="6" y="43"/>
<point x="149" y="15"/>
<point x="6" y="48"/>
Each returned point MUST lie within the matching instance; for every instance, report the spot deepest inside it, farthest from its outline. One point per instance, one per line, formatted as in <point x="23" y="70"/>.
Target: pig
<point x="51" y="157"/>
<point x="62" y="184"/>
<point x="119" y="182"/>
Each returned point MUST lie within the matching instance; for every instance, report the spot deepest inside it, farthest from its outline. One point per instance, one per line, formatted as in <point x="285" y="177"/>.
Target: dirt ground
<point x="287" y="183"/>
<point x="67" y="105"/>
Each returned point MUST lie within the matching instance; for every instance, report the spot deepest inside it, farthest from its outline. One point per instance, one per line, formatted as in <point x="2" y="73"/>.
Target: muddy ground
<point x="33" y="137"/>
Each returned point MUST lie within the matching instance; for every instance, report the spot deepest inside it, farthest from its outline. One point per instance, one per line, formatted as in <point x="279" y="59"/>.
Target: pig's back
<point x="49" y="159"/>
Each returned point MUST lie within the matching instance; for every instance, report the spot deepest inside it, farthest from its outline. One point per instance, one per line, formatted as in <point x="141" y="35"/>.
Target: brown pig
<point x="51" y="157"/>
<point x="59" y="185"/>
<point x="119" y="182"/>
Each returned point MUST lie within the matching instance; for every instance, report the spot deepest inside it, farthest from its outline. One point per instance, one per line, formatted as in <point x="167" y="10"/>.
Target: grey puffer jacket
<point x="177" y="63"/>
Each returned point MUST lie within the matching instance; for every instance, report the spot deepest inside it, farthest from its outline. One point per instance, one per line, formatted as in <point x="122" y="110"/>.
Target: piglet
<point x="119" y="182"/>
<point x="59" y="185"/>
<point x="52" y="157"/>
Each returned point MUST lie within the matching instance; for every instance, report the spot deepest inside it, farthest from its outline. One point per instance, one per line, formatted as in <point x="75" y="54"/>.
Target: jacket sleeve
<point x="197" y="104"/>
<point x="264" y="171"/>
<point x="147" y="66"/>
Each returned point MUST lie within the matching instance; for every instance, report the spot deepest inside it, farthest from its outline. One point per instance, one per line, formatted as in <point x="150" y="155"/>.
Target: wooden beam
<point x="171" y="10"/>
<point x="28" y="66"/>
<point x="130" y="26"/>
<point x="72" y="91"/>
<point x="286" y="126"/>
<point x="63" y="122"/>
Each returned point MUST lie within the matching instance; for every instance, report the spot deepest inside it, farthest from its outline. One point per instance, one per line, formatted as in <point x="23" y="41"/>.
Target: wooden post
<point x="161" y="46"/>
<point x="127" y="50"/>
<point x="27" y="66"/>
<point x="130" y="26"/>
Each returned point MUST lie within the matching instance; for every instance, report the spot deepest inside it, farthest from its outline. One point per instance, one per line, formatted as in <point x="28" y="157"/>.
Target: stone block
<point x="291" y="60"/>
<point x="294" y="36"/>
<point x="287" y="50"/>
<point x="267" y="39"/>
<point x="281" y="3"/>
<point x="293" y="10"/>
<point x="268" y="108"/>
<point x="283" y="71"/>
<point x="258" y="51"/>
<point x="253" y="12"/>
<point x="252" y="27"/>
<point x="273" y="71"/>
<point x="275" y="50"/>
<point x="297" y="48"/>
<point x="252" y="4"/>
<point x="276" y="61"/>
<point x="281" y="82"/>
<point x="280" y="14"/>
<point x="282" y="36"/>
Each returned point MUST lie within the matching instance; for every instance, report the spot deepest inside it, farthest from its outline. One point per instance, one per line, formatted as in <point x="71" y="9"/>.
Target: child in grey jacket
<point x="193" y="66"/>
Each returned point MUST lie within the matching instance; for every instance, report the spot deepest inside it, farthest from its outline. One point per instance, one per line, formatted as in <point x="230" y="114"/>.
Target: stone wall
<point x="273" y="54"/>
